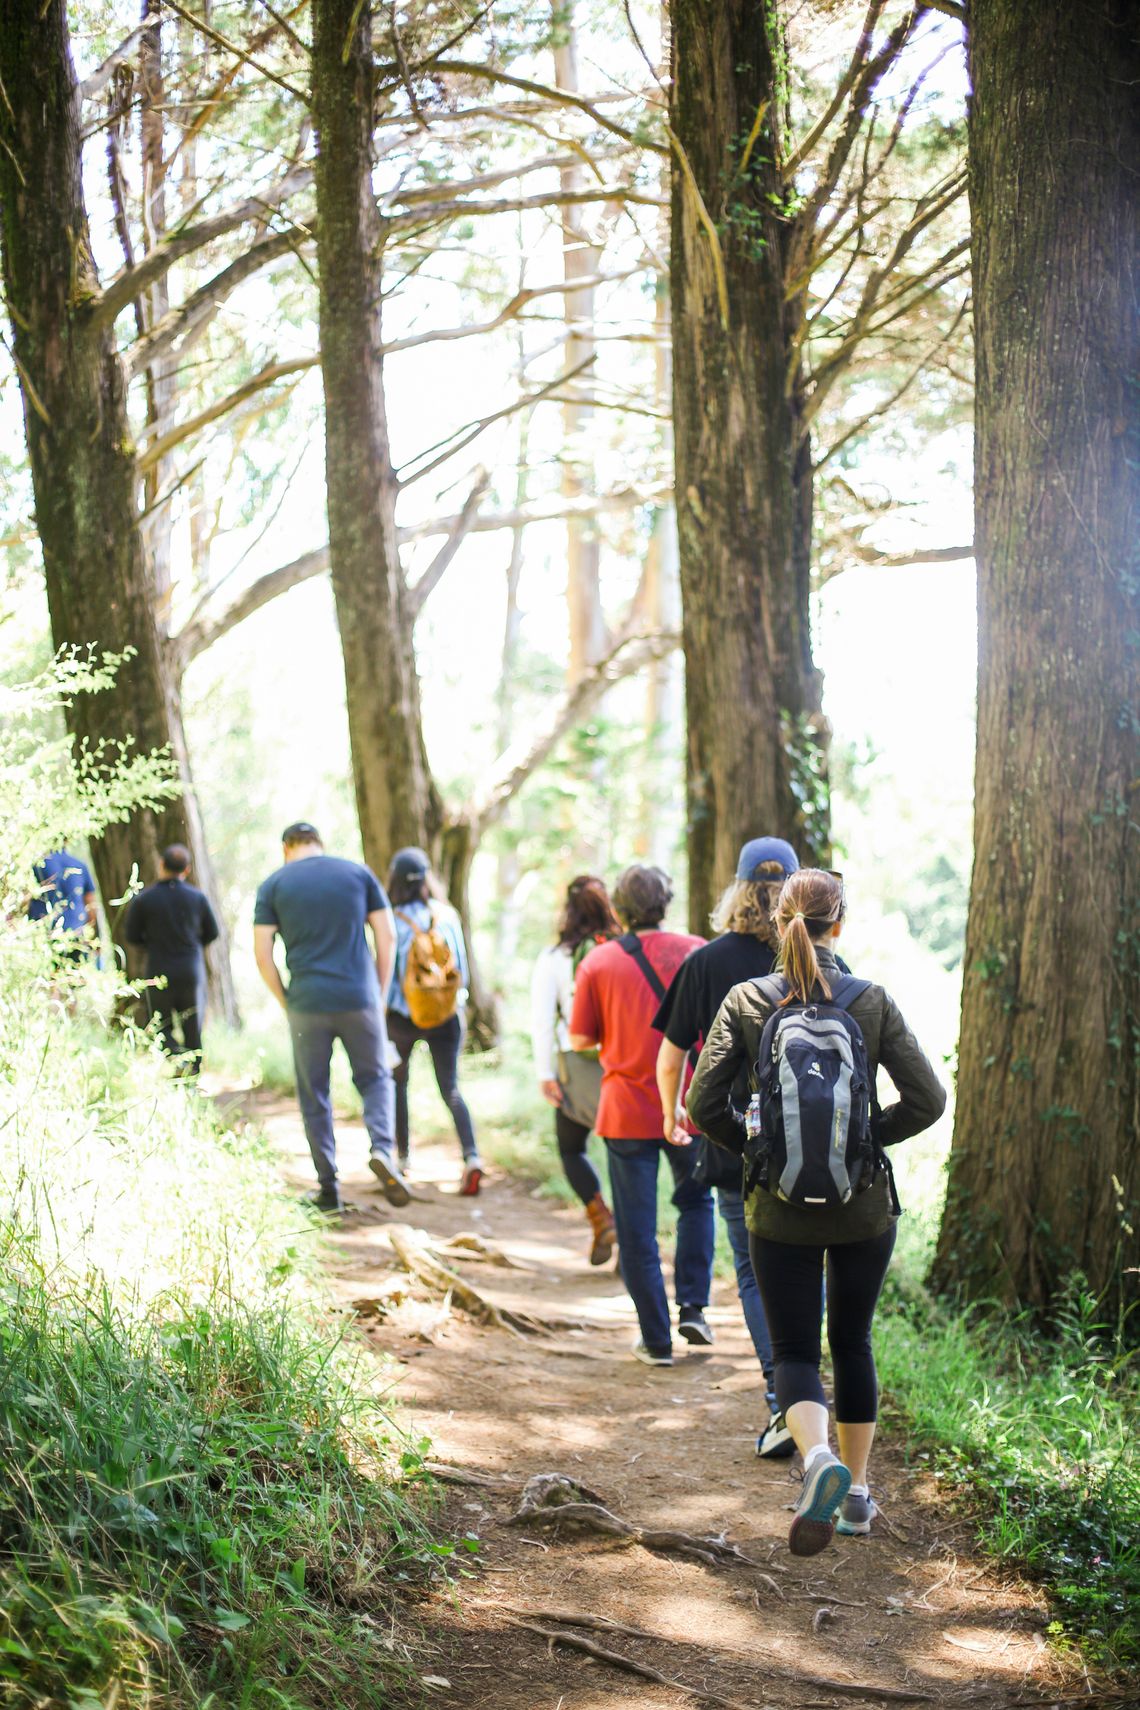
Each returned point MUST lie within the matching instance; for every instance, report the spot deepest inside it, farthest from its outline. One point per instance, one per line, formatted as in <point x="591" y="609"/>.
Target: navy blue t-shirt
<point x="64" y="882"/>
<point x="319" y="905"/>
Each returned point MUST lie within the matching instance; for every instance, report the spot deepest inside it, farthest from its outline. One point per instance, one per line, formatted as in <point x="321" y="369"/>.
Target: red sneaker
<point x="472" y="1180"/>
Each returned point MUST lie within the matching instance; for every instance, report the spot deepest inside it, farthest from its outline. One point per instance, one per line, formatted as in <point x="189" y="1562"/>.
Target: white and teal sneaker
<point x="824" y="1488"/>
<point x="856" y="1514"/>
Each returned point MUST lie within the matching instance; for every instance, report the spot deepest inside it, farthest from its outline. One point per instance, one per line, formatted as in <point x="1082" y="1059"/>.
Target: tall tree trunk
<point x="1045" y="1166"/>
<point x="396" y="799"/>
<point x="580" y="260"/>
<point x="755" y="759"/>
<point x="79" y="441"/>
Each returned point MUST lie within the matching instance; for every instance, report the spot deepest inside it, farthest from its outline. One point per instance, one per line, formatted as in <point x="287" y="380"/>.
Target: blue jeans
<point x="633" y="1186"/>
<point x="361" y="1032"/>
<point x="731" y="1206"/>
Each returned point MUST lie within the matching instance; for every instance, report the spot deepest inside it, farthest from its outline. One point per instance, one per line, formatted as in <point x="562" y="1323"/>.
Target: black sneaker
<point x="694" y="1326"/>
<point x="775" y="1442"/>
<point x="390" y="1179"/>
<point x="327" y="1198"/>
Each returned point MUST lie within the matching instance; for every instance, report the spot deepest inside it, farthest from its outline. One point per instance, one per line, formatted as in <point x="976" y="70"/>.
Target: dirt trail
<point x="910" y="1611"/>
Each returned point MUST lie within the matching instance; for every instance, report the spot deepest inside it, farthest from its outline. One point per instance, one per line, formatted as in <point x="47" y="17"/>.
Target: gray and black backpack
<point x="810" y="1139"/>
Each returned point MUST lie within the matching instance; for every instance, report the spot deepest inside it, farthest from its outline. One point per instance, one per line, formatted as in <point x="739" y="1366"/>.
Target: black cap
<point x="300" y="832"/>
<point x="410" y="863"/>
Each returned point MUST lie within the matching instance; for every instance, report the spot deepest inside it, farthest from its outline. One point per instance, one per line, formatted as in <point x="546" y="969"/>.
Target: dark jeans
<point x="580" y="1173"/>
<point x="790" y="1277"/>
<point x="179" y="1005"/>
<point x="361" y="1032"/>
<point x="445" y="1043"/>
<point x="633" y="1183"/>
<point x="731" y="1205"/>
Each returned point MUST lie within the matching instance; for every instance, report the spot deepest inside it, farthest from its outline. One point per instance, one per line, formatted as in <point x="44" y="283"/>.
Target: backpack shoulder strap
<point x="772" y="988"/>
<point x="407" y="920"/>
<point x="847" y="991"/>
<point x="632" y="946"/>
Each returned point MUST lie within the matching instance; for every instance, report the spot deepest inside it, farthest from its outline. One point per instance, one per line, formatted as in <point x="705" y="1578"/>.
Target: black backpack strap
<point x="632" y="946"/>
<point x="772" y="988"/>
<point x="847" y="991"/>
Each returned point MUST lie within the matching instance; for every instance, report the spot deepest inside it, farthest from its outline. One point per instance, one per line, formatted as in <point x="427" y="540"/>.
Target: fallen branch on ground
<point x="574" y="1642"/>
<point x="550" y="1499"/>
<point x="572" y="1618"/>
<point x="465" y="1475"/>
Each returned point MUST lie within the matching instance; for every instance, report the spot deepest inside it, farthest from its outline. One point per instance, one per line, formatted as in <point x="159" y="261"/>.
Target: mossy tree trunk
<point x="756" y="755"/>
<point x="1045" y="1166"/>
<point x="79" y="443"/>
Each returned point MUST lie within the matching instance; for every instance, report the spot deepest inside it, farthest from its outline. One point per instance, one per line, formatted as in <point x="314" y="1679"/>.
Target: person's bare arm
<point x="383" y="925"/>
<point x="582" y="1042"/>
<point x="263" y="937"/>
<point x="670" y="1063"/>
<point x="92" y="911"/>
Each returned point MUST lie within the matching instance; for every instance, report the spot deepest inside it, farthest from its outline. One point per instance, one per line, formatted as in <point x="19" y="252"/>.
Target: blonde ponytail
<point x="810" y="904"/>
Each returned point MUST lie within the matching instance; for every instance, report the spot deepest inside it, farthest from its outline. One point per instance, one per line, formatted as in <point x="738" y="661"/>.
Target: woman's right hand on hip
<point x="551" y="1091"/>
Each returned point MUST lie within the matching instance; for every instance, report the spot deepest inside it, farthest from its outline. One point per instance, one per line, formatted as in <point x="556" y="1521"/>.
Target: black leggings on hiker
<point x="580" y="1173"/>
<point x="445" y="1043"/>
<point x="790" y="1278"/>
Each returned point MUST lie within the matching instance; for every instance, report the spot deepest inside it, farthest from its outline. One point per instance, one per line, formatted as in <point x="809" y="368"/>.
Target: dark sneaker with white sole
<point x="390" y="1179"/>
<point x="327" y="1198"/>
<point x="652" y="1356"/>
<point x="856" y="1515"/>
<point x="775" y="1442"/>
<point x="824" y="1488"/>
<point x="695" y="1327"/>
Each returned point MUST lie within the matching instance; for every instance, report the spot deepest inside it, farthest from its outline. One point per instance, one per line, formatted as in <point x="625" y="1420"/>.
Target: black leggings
<point x="445" y="1043"/>
<point x="790" y="1278"/>
<point x="580" y="1173"/>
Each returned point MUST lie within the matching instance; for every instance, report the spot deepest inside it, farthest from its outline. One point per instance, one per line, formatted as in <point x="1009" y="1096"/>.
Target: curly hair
<point x="749" y="905"/>
<point x="587" y="912"/>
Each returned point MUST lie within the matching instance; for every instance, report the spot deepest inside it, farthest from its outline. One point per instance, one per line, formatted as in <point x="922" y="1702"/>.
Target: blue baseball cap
<point x="761" y="849"/>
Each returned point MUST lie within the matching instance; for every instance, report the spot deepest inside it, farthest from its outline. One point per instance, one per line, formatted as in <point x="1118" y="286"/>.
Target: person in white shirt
<point x="571" y="1080"/>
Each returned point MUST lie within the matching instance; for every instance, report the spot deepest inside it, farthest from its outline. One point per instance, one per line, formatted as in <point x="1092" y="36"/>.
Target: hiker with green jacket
<point x="812" y="1040"/>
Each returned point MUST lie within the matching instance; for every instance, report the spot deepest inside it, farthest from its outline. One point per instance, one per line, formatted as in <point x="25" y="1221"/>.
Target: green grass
<point x="203" y="1501"/>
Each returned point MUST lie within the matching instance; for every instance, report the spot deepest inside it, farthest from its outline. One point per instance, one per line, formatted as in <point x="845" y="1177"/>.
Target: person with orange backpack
<point x="426" y="999"/>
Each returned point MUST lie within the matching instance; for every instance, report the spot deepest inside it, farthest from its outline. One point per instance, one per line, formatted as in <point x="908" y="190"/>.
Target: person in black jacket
<point x="172" y="922"/>
<point x="744" y="950"/>
<point x="790" y="1240"/>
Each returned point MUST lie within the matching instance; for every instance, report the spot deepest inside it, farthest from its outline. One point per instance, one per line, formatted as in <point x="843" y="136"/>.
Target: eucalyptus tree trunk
<point x="756" y="760"/>
<point x="79" y="441"/>
<point x="580" y="260"/>
<point x="396" y="800"/>
<point x="1045" y="1166"/>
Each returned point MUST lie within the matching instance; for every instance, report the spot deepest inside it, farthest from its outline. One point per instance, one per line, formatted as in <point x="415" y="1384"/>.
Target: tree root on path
<point x="574" y="1641"/>
<point x="413" y="1249"/>
<point x="465" y="1475"/>
<point x="476" y="1249"/>
<point x="571" y="1618"/>
<point x="551" y="1499"/>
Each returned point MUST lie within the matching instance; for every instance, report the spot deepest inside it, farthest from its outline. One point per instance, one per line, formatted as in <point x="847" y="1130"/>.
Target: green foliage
<point x="202" y="1501"/>
<point x="1038" y="1437"/>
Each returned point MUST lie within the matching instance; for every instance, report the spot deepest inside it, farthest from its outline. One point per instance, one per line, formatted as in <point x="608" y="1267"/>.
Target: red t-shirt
<point x="614" y="1004"/>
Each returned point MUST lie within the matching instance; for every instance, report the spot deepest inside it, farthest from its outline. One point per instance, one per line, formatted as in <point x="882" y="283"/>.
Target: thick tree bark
<point x="79" y="443"/>
<point x="396" y="800"/>
<point x="1045" y="1167"/>
<point x="756" y="757"/>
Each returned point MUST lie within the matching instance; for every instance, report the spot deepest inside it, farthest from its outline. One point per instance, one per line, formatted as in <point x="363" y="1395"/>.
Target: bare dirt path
<point x="911" y="1614"/>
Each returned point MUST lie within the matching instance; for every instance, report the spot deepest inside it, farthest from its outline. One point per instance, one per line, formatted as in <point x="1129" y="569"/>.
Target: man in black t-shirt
<point x="172" y="921"/>
<point x="745" y="950"/>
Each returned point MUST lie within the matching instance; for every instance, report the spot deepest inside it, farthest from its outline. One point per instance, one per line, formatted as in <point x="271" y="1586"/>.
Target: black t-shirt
<point x="173" y="922"/>
<point x="704" y="980"/>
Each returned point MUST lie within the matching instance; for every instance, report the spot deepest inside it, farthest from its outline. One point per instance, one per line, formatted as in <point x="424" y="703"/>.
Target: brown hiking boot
<point x="602" y="1223"/>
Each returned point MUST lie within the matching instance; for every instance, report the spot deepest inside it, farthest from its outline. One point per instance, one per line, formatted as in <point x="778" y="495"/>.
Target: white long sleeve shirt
<point x="551" y="997"/>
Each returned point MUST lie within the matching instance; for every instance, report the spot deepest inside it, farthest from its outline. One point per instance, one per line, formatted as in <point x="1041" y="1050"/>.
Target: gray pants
<point x="362" y="1033"/>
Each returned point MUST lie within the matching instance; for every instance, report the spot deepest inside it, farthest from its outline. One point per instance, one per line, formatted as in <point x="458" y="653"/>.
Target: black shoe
<point x="694" y="1327"/>
<point x="390" y="1179"/>
<point x="775" y="1442"/>
<point x="327" y="1199"/>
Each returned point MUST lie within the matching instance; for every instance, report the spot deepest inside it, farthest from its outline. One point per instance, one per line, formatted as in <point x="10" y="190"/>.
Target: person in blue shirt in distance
<point x="65" y="897"/>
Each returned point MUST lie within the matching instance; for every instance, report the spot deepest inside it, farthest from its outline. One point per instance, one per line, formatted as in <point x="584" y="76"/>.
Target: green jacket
<point x="734" y="1041"/>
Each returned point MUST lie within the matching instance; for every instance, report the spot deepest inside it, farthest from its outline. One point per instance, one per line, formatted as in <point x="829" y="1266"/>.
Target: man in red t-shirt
<point x="616" y="996"/>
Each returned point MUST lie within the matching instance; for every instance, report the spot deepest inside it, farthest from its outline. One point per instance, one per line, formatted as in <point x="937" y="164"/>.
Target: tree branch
<point x="133" y="281"/>
<point x="422" y="219"/>
<point x="846" y="83"/>
<point x="235" y="48"/>
<point x="457" y="534"/>
<point x="463" y="436"/>
<point x="203" y="632"/>
<point x="517" y="303"/>
<point x="511" y="771"/>
<point x="200" y="307"/>
<point x="165" y="443"/>
<point x="547" y="92"/>
<point x="589" y="505"/>
<point x="102" y="75"/>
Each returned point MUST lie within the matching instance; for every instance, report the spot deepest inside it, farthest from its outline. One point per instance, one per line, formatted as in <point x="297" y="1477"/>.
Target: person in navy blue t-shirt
<point x="320" y="906"/>
<point x="65" y="897"/>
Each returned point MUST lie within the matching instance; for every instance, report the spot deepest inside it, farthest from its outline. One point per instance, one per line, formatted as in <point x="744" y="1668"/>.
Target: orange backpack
<point x="431" y="975"/>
